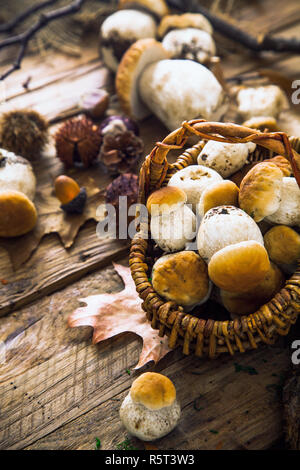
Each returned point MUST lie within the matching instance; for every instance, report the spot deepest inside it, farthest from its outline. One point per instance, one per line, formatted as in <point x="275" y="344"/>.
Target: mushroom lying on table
<point x="135" y="20"/>
<point x="174" y="90"/>
<point x="187" y="36"/>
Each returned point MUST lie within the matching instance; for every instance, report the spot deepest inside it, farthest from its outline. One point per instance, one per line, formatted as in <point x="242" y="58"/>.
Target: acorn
<point x="77" y="142"/>
<point x="24" y="132"/>
<point x="71" y="196"/>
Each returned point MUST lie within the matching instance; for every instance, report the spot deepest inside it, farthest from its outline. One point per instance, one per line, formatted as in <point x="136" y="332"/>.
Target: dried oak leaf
<point x="115" y="314"/>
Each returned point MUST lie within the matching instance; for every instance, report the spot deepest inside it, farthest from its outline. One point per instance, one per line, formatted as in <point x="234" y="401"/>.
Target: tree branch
<point x="8" y="27"/>
<point x="25" y="37"/>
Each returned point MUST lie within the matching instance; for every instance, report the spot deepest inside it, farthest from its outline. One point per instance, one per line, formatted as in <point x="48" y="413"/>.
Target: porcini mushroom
<point x="225" y="158"/>
<point x="17" y="189"/>
<point x="223" y="226"/>
<point x="264" y="101"/>
<point x="174" y="90"/>
<point x="173" y="224"/>
<point x="183" y="278"/>
<point x="282" y="244"/>
<point x="150" y="410"/>
<point x="220" y="193"/>
<point x="288" y="212"/>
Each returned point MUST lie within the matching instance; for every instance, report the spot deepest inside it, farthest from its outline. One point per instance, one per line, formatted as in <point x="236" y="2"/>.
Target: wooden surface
<point x="57" y="390"/>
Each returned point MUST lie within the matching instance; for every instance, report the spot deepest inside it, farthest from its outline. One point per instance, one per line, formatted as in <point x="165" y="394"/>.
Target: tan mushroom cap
<point x="187" y="20"/>
<point x="282" y="244"/>
<point x="244" y="303"/>
<point x="17" y="214"/>
<point x="158" y="7"/>
<point x="239" y="267"/>
<point x="282" y="163"/>
<point x="153" y="390"/>
<point x="181" y="277"/>
<point x="140" y="54"/>
<point x="262" y="123"/>
<point x="218" y="194"/>
<point x="169" y="196"/>
<point x="260" y="190"/>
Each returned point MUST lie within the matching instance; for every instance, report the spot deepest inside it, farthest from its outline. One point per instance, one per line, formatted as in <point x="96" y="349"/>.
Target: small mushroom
<point x="282" y="244"/>
<point x="288" y="212"/>
<point x="260" y="190"/>
<point x="193" y="180"/>
<point x="68" y="192"/>
<point x="150" y="410"/>
<point x="173" y="224"/>
<point x="183" y="278"/>
<point x="223" y="226"/>
<point x="225" y="158"/>
<point x="218" y="194"/>
<point x="261" y="101"/>
<point x="262" y="123"/>
<point x="174" y="90"/>
<point x="18" y="214"/>
<point x="239" y="267"/>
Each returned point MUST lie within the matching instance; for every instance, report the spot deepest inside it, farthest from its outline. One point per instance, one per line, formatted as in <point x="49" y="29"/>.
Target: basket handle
<point x="156" y="165"/>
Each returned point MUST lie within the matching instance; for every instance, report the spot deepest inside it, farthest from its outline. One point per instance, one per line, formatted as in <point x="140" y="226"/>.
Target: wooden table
<point x="58" y="391"/>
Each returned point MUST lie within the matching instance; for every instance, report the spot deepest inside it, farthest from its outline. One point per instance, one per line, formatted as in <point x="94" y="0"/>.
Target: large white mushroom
<point x="174" y="90"/>
<point x="150" y="410"/>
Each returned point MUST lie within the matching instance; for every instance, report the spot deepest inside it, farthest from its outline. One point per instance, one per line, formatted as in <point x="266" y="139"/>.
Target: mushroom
<point x="174" y="90"/>
<point x="193" y="180"/>
<point x="17" y="190"/>
<point x="225" y="158"/>
<point x="173" y="224"/>
<point x="218" y="194"/>
<point x="288" y="212"/>
<point x="262" y="123"/>
<point x="183" y="278"/>
<point x="239" y="267"/>
<point x="260" y="190"/>
<point x="150" y="410"/>
<point x="187" y="36"/>
<point x="282" y="244"/>
<point x="244" y="303"/>
<point x="261" y="101"/>
<point x="223" y="226"/>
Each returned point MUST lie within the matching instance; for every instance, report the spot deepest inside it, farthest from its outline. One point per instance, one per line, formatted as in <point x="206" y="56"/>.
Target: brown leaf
<point x="114" y="314"/>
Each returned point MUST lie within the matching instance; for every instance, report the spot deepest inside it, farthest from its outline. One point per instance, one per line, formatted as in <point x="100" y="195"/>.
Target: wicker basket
<point x="210" y="337"/>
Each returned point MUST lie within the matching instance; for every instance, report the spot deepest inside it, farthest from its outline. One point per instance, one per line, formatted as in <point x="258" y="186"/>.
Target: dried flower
<point x="120" y="152"/>
<point x="24" y="132"/>
<point x="125" y="185"/>
<point x="95" y="103"/>
<point x="73" y="198"/>
<point x="77" y="142"/>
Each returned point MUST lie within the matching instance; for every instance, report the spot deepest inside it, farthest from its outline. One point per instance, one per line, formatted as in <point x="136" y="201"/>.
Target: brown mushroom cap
<point x="187" y="20"/>
<point x="282" y="244"/>
<point x="17" y="214"/>
<point x="169" y="196"/>
<point x="158" y="7"/>
<point x="153" y="390"/>
<point x="181" y="277"/>
<point x="218" y="194"/>
<point x="260" y="190"/>
<point x="239" y="267"/>
<point x="244" y="303"/>
<point x="142" y="53"/>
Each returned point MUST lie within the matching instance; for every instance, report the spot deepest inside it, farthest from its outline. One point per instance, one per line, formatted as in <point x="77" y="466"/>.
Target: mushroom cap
<point x="266" y="100"/>
<point x="158" y="7"/>
<point x="193" y="180"/>
<point x="153" y="390"/>
<point x="122" y="29"/>
<point x="180" y="90"/>
<point x="189" y="43"/>
<point x="262" y="123"/>
<point x="142" y="53"/>
<point x="244" y="303"/>
<point x="187" y="20"/>
<point x="260" y="190"/>
<point x="16" y="174"/>
<point x="166" y="200"/>
<point x="181" y="277"/>
<point x="220" y="193"/>
<point x="223" y="226"/>
<point x="282" y="163"/>
<point x="225" y="158"/>
<point x="18" y="215"/>
<point x="239" y="267"/>
<point x="288" y="212"/>
<point x="282" y="244"/>
<point x="174" y="231"/>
